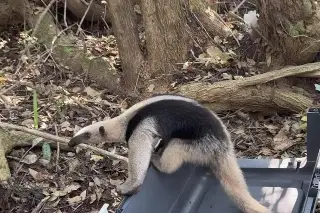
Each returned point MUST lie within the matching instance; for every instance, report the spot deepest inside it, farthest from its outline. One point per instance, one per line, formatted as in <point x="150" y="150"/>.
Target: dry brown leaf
<point x="97" y="181"/>
<point x="93" y="198"/>
<point x="74" y="200"/>
<point x="266" y="151"/>
<point x="271" y="128"/>
<point x="72" y="187"/>
<point x="39" y="176"/>
<point x="91" y="92"/>
<point x="83" y="195"/>
<point x="281" y="141"/>
<point x="115" y="182"/>
<point x="30" y="159"/>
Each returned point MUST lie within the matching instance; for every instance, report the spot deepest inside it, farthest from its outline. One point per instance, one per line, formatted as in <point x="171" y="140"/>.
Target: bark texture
<point x="164" y="23"/>
<point x="166" y="39"/>
<point x="208" y="18"/>
<point x="126" y="32"/>
<point x="252" y="93"/>
<point x="292" y="27"/>
<point x="8" y="15"/>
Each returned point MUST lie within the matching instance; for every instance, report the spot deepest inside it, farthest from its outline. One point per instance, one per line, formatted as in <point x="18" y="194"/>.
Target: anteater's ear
<point x="102" y="131"/>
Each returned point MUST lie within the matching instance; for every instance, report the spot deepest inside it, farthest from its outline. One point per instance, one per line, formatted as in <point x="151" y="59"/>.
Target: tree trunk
<point x="293" y="29"/>
<point x="126" y="32"/>
<point x="164" y="23"/>
<point x="8" y="15"/>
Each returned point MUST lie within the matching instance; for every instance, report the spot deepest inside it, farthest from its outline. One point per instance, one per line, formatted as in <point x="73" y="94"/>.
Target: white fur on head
<point x="110" y="130"/>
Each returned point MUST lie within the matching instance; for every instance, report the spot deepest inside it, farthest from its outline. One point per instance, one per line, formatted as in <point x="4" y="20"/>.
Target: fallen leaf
<point x="59" y="193"/>
<point x="151" y="87"/>
<point x="55" y="204"/>
<point x="115" y="182"/>
<point x="36" y="141"/>
<point x="239" y="132"/>
<point x="104" y="208"/>
<point x="281" y="141"/>
<point x="91" y="92"/>
<point x="44" y="162"/>
<point x="271" y="128"/>
<point x="96" y="158"/>
<point x="73" y="164"/>
<point x="93" y="198"/>
<point x="295" y="127"/>
<point x="266" y="151"/>
<point x="76" y="89"/>
<point x="303" y="126"/>
<point x="237" y="77"/>
<point x="186" y="65"/>
<point x="74" y="200"/>
<point x="217" y="55"/>
<point x="97" y="181"/>
<point x="83" y="194"/>
<point x="39" y="176"/>
<point x="72" y="187"/>
<point x="251" y="61"/>
<point x="27" y="123"/>
<point x="226" y="76"/>
<point x="268" y="59"/>
<point x="30" y="159"/>
<point x="65" y="124"/>
<point x="304" y="119"/>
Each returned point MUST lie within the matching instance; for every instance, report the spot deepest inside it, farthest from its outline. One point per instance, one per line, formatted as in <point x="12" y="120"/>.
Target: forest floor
<point x="83" y="181"/>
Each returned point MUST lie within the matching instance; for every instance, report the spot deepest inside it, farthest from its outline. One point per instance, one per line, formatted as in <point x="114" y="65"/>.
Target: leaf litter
<point x="66" y="102"/>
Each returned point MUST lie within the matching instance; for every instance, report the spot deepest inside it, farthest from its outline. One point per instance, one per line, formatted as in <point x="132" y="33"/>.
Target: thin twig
<point x="83" y="17"/>
<point x="41" y="17"/>
<point x="238" y="6"/>
<point x="40" y="205"/>
<point x="58" y="148"/>
<point x="60" y="139"/>
<point x="65" y="13"/>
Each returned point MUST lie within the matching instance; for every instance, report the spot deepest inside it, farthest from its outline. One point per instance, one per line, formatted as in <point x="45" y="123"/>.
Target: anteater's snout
<point x="82" y="138"/>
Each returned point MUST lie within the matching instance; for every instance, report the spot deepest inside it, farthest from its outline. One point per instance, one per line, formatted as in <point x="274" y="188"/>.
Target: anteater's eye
<point x="87" y="135"/>
<point x="102" y="130"/>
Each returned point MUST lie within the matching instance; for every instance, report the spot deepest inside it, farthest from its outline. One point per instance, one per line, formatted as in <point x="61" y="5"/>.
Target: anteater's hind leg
<point x="171" y="159"/>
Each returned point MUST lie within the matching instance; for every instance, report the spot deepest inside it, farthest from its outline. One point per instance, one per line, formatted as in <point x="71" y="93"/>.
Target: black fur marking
<point x="79" y="139"/>
<point x="179" y="119"/>
<point x="102" y="131"/>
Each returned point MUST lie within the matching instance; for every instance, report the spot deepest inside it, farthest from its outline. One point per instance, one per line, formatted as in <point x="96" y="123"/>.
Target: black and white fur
<point x="189" y="133"/>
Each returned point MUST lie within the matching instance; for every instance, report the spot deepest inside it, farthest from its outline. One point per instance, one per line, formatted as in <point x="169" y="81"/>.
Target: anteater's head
<point x="99" y="132"/>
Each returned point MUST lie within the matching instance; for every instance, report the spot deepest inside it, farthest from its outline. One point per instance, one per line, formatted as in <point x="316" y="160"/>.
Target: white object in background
<point x="251" y="18"/>
<point x="104" y="208"/>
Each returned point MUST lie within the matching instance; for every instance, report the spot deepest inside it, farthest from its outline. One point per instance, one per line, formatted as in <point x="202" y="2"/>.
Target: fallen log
<point x="252" y="93"/>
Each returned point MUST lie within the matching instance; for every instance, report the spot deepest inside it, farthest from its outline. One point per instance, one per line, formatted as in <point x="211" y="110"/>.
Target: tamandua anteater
<point x="189" y="133"/>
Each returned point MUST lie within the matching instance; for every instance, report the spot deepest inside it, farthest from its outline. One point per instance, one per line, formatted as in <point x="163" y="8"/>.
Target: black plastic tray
<point x="283" y="185"/>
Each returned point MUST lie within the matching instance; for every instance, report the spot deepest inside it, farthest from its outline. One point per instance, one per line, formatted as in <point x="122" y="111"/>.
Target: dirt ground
<point x="82" y="181"/>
